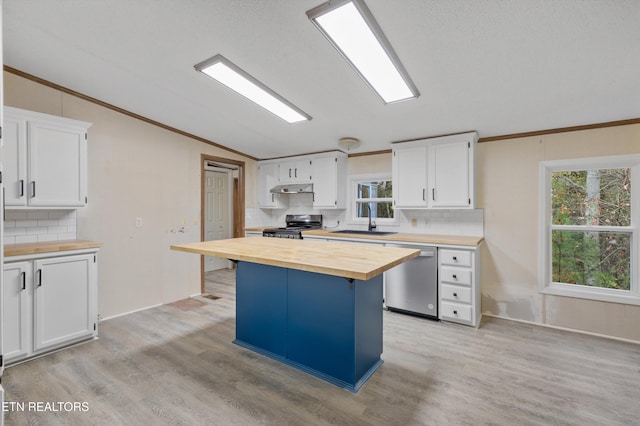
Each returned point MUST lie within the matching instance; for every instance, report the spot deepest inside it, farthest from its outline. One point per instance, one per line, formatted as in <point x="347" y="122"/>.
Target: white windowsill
<point x="598" y="295"/>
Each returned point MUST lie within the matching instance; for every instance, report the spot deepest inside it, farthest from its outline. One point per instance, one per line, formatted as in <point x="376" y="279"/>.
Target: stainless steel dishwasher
<point x="412" y="287"/>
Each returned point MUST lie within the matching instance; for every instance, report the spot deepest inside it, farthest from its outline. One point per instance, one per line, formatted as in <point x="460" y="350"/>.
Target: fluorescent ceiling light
<point x="351" y="28"/>
<point x="221" y="69"/>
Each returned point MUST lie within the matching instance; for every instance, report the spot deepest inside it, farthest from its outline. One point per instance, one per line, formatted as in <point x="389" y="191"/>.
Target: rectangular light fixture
<point x="351" y="28"/>
<point x="224" y="71"/>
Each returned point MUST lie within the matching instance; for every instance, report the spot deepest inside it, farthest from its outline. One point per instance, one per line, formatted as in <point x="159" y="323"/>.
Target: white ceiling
<point x="497" y="67"/>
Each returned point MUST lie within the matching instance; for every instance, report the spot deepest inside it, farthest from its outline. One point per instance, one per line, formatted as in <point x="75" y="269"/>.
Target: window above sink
<point x="374" y="191"/>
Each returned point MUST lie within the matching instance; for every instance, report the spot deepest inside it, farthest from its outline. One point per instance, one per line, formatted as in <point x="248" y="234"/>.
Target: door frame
<point x="238" y="200"/>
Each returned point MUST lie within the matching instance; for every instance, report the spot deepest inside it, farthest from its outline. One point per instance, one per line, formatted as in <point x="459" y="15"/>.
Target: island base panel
<point x="331" y="327"/>
<point x="261" y="306"/>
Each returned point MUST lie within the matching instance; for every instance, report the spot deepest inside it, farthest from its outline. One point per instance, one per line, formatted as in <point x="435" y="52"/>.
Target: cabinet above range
<point x="323" y="176"/>
<point x="45" y="160"/>
<point x="435" y="173"/>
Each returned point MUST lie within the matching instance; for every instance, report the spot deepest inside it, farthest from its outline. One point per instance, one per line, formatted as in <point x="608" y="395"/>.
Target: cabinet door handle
<point x="39" y="277"/>
<point x="433" y="194"/>
<point x="22" y="187"/>
<point x="289" y="173"/>
<point x="33" y="189"/>
<point x="24" y="280"/>
<point x="423" y="192"/>
<point x="295" y="172"/>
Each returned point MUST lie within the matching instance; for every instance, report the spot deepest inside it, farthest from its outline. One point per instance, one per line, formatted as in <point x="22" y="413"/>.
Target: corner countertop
<point x="400" y="237"/>
<point x="330" y="258"/>
<point x="48" y="247"/>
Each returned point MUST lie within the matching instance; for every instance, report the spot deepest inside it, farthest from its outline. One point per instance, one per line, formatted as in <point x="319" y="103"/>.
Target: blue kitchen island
<point x="313" y="305"/>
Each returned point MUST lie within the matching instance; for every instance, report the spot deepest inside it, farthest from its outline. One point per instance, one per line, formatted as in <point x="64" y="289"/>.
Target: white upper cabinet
<point x="45" y="160"/>
<point x="329" y="177"/>
<point x="14" y="160"/>
<point x="435" y="173"/>
<point x="268" y="174"/>
<point x="451" y="171"/>
<point x="295" y="171"/>
<point x="326" y="171"/>
<point x="409" y="174"/>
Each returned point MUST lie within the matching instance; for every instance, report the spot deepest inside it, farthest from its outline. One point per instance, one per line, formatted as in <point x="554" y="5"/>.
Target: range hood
<point x="293" y="188"/>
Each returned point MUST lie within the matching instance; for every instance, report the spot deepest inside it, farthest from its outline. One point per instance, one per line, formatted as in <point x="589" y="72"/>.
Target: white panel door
<point x="57" y="165"/>
<point x="217" y="224"/>
<point x="16" y="310"/>
<point x="64" y="300"/>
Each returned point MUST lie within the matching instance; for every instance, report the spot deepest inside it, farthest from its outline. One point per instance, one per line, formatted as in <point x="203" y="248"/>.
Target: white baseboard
<point x="130" y="312"/>
<point x="572" y="330"/>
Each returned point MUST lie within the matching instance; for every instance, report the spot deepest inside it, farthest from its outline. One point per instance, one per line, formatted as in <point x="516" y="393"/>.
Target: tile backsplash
<point x="422" y="221"/>
<point x="22" y="226"/>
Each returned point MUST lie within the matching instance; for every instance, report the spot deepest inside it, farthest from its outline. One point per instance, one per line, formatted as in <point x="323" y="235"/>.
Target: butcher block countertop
<point x="330" y="258"/>
<point x="400" y="237"/>
<point x="455" y="240"/>
<point x="48" y="247"/>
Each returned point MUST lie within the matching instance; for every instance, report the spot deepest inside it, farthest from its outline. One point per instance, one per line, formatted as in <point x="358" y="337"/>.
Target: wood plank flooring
<point x="176" y="365"/>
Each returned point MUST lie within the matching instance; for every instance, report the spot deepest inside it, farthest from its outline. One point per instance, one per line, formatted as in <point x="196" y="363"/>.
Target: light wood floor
<point x="176" y="365"/>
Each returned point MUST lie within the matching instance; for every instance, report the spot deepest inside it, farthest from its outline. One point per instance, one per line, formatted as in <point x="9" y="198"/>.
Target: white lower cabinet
<point x="459" y="286"/>
<point x="16" y="310"/>
<point x="48" y="303"/>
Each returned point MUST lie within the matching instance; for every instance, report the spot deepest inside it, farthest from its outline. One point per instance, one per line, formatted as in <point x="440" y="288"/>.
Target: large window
<point x="372" y="196"/>
<point x="589" y="219"/>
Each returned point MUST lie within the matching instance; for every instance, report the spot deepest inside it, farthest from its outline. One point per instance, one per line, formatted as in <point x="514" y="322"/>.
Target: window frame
<point x="546" y="285"/>
<point x="354" y="180"/>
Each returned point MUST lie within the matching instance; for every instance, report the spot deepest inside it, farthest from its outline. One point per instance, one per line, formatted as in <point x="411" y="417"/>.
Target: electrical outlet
<point x="138" y="222"/>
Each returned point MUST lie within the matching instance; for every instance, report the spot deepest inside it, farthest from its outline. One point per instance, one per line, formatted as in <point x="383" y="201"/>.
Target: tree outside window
<point x="373" y="196"/>
<point x="591" y="214"/>
<point x="589" y="244"/>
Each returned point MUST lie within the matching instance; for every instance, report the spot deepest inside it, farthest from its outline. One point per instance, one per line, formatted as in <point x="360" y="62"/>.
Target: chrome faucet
<point x="372" y="226"/>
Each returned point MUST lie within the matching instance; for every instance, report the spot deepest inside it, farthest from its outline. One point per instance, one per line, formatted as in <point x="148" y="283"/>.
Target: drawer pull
<point x="455" y="258"/>
<point x="455" y="277"/>
<point x="455" y="294"/>
<point x="455" y="312"/>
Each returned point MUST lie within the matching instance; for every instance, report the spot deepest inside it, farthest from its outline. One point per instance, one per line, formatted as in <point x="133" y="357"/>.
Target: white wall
<point x="136" y="170"/>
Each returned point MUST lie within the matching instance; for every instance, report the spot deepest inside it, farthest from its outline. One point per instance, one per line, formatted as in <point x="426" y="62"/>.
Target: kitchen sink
<point x="360" y="231"/>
